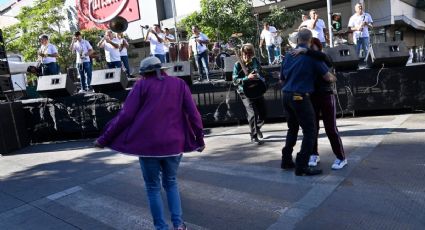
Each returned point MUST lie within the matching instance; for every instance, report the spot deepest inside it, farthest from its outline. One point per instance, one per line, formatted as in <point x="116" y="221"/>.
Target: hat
<point x="150" y="64"/>
<point x="292" y="39"/>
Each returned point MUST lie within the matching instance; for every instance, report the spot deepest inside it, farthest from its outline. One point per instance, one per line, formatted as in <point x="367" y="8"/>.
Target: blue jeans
<point x="161" y="57"/>
<point x="114" y="64"/>
<point x="152" y="169"/>
<point x="202" y="64"/>
<point x="51" y="68"/>
<point x="362" y="43"/>
<point x="167" y="57"/>
<point x="85" y="69"/>
<point x="270" y="53"/>
<point x="124" y="60"/>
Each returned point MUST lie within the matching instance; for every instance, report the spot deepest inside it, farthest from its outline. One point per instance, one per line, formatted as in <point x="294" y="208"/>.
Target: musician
<point x="111" y="44"/>
<point x="198" y="45"/>
<point x="299" y="75"/>
<point x="47" y="54"/>
<point x="156" y="39"/>
<point x="83" y="49"/>
<point x="359" y="24"/>
<point x="255" y="108"/>
<point x="316" y="25"/>
<point x="168" y="38"/>
<point x="123" y="52"/>
<point x="267" y="35"/>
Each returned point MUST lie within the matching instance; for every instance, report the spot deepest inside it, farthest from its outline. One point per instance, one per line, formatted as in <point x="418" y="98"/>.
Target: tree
<point x="219" y="19"/>
<point x="282" y="18"/>
<point x="45" y="17"/>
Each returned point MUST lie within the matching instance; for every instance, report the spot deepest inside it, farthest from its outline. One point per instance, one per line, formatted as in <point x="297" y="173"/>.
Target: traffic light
<point x="336" y="21"/>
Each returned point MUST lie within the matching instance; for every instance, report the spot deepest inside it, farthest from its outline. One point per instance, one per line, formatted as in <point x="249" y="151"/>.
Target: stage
<point x="85" y="115"/>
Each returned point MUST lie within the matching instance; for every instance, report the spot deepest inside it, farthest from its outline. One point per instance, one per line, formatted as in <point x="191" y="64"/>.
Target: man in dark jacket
<point x="299" y="74"/>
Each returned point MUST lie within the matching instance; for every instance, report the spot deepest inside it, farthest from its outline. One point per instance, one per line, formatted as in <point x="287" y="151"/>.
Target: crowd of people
<point x="161" y="106"/>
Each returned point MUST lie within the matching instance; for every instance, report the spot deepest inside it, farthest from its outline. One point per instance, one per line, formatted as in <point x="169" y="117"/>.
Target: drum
<point x="219" y="60"/>
<point x="173" y="52"/>
<point x="184" y="51"/>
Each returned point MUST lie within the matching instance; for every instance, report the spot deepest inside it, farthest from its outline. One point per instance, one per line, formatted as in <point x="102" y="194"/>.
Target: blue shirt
<point x="300" y="72"/>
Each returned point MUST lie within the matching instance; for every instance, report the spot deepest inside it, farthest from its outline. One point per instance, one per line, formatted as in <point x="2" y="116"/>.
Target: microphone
<point x="144" y="27"/>
<point x="16" y="83"/>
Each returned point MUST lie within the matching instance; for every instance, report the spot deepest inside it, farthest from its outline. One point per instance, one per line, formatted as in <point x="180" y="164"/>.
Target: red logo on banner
<point x="97" y="13"/>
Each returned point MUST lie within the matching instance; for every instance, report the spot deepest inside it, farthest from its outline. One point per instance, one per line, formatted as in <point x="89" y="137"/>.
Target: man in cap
<point x="47" y="54"/>
<point x="83" y="49"/>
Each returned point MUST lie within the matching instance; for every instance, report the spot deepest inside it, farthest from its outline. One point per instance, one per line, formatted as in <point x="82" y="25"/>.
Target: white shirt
<point x="317" y="31"/>
<point x="112" y="54"/>
<point x="82" y="47"/>
<point x="49" y="49"/>
<point x="123" y="52"/>
<point x="269" y="35"/>
<point x="167" y="44"/>
<point x="198" y="48"/>
<point x="357" y="20"/>
<point x="156" y="46"/>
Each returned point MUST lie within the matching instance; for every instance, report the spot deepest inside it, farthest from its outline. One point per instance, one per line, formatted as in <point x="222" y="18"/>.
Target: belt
<point x="297" y="94"/>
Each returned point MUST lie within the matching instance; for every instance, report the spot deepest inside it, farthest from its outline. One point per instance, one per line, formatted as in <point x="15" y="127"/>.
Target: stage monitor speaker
<point x="107" y="80"/>
<point x="229" y="63"/>
<point x="181" y="69"/>
<point x="13" y="130"/>
<point x="343" y="57"/>
<point x="387" y="54"/>
<point x="55" y="86"/>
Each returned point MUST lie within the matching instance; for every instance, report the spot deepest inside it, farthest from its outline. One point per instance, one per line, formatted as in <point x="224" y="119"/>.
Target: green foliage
<point x="282" y="18"/>
<point x="219" y="19"/>
<point x="45" y="17"/>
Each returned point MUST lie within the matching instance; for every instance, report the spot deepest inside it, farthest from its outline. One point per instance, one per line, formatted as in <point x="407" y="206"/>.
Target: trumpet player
<point x="83" y="49"/>
<point x="111" y="44"/>
<point x="156" y="39"/>
<point x="47" y="54"/>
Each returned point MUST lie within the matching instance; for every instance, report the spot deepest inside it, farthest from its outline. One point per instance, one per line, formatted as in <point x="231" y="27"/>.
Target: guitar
<point x="253" y="88"/>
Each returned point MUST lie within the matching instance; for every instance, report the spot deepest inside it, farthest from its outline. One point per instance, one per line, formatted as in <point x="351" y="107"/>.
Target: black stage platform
<point x="84" y="115"/>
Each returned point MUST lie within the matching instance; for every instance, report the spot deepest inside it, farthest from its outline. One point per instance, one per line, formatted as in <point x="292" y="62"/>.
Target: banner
<point x="97" y="13"/>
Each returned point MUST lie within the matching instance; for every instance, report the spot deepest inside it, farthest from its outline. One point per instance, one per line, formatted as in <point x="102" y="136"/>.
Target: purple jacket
<point x="159" y="118"/>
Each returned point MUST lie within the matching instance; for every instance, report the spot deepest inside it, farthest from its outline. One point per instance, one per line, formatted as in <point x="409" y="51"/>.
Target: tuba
<point x="118" y="24"/>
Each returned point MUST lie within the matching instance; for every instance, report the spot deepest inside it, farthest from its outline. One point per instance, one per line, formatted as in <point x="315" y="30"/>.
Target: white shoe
<point x="314" y="159"/>
<point x="81" y="91"/>
<point x="339" y="164"/>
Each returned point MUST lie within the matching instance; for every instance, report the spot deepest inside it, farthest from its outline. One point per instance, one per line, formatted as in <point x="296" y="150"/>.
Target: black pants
<point x="256" y="113"/>
<point x="300" y="112"/>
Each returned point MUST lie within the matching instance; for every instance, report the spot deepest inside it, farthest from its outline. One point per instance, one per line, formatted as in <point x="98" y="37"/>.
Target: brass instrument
<point x="118" y="24"/>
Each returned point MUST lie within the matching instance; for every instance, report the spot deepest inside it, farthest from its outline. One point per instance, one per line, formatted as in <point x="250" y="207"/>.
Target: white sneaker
<point x="314" y="159"/>
<point x="339" y="164"/>
<point x="81" y="91"/>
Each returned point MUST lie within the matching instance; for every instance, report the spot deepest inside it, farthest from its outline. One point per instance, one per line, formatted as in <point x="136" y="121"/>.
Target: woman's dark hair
<point x="316" y="42"/>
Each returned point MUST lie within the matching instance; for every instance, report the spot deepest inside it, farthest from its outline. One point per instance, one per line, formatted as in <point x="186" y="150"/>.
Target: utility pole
<point x="331" y="36"/>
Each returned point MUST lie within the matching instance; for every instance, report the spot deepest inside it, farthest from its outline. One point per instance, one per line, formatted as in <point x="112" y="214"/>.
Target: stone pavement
<point x="231" y="185"/>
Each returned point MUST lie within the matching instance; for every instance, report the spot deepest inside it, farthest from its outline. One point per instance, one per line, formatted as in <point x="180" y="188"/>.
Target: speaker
<point x="4" y="67"/>
<point x="55" y="86"/>
<point x="181" y="69"/>
<point x="387" y="54"/>
<point x="13" y="130"/>
<point x="107" y="80"/>
<point x="344" y="57"/>
<point x="229" y="63"/>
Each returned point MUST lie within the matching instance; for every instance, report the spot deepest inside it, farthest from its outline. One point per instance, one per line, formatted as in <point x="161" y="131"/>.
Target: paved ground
<point x="232" y="185"/>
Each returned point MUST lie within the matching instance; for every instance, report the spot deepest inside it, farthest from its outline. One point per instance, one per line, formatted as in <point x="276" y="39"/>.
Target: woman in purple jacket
<point x="158" y="122"/>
